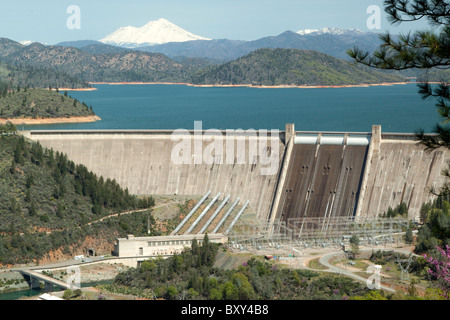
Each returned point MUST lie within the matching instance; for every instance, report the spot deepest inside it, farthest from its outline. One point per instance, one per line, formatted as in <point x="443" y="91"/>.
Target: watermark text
<point x="374" y="21"/>
<point x="255" y="147"/>
<point x="74" y="20"/>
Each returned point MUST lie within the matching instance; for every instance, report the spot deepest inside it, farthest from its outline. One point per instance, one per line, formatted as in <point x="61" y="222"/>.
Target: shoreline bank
<point x="254" y="86"/>
<point x="31" y="121"/>
<point x="70" y="89"/>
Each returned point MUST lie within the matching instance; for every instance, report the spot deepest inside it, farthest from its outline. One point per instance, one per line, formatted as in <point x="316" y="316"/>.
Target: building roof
<point x="47" y="296"/>
<point x="174" y="237"/>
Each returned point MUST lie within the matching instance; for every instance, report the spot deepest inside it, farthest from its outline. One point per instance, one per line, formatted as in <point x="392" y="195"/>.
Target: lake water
<point x="396" y="108"/>
<point x="15" y="295"/>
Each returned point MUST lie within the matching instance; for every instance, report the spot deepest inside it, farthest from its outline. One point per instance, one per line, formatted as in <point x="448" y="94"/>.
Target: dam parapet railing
<point x="237" y="132"/>
<point x="384" y="135"/>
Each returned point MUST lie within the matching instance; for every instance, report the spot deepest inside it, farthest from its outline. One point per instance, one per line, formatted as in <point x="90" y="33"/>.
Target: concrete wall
<point x="400" y="170"/>
<point x="396" y="169"/>
<point x="144" y="163"/>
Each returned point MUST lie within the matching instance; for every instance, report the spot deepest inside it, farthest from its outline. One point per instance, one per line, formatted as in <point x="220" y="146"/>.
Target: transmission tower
<point x="405" y="264"/>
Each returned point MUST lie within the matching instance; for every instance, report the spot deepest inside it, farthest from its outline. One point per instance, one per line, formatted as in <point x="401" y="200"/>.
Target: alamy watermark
<point x="74" y="20"/>
<point x="374" y="281"/>
<point x="374" y="21"/>
<point x="255" y="147"/>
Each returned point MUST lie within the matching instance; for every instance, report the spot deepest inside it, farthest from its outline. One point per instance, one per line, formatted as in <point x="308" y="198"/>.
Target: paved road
<point x="325" y="260"/>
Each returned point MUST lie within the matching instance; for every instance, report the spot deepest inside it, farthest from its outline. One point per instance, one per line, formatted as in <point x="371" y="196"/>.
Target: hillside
<point x="29" y="76"/>
<point x="435" y="75"/>
<point x="39" y="103"/>
<point x="93" y="67"/>
<point x="47" y="202"/>
<point x="274" y="67"/>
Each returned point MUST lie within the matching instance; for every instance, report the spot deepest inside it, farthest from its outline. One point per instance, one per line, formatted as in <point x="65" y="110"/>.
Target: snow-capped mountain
<point x="154" y="32"/>
<point x="28" y="42"/>
<point x="334" y="31"/>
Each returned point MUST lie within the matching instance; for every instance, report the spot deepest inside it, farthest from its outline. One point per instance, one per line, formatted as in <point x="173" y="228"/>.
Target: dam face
<point x="163" y="163"/>
<point x="399" y="170"/>
<point x="284" y="176"/>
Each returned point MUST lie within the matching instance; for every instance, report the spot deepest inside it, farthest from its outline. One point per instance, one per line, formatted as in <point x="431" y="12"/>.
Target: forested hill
<point x="29" y="76"/>
<point x="118" y="66"/>
<point x="435" y="75"/>
<point x="47" y="203"/>
<point x="274" y="67"/>
<point x="39" y="103"/>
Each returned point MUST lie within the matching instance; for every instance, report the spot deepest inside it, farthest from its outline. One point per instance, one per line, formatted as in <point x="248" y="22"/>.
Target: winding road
<point x="325" y="261"/>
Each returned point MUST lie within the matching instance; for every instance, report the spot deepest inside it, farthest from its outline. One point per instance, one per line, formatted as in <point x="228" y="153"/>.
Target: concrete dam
<point x="178" y="163"/>
<point x="283" y="175"/>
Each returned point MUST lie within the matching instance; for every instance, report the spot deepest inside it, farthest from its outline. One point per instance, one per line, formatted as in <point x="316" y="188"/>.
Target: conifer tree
<point x="424" y="50"/>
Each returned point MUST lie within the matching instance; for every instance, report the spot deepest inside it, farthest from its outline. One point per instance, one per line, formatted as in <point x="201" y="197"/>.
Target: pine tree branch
<point x="436" y="11"/>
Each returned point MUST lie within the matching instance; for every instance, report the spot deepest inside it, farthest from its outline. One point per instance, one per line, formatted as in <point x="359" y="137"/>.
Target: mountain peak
<point x="29" y="42"/>
<point x="153" y="32"/>
<point x="332" y="30"/>
<point x="160" y="20"/>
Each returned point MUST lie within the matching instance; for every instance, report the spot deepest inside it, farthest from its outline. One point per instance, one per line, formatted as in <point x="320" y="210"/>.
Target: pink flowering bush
<point x="441" y="269"/>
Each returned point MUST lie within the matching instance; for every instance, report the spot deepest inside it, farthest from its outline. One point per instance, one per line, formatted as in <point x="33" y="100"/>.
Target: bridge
<point x="34" y="278"/>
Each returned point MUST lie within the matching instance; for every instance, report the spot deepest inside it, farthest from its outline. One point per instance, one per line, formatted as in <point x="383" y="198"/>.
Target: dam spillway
<point x="322" y="181"/>
<point x="316" y="174"/>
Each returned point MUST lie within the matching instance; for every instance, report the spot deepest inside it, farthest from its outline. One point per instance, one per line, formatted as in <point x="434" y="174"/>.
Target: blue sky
<point x="45" y="21"/>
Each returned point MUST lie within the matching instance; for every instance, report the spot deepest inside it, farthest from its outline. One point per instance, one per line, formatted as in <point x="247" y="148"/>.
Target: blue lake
<point x="396" y="108"/>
